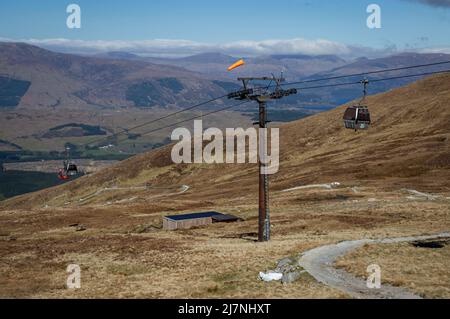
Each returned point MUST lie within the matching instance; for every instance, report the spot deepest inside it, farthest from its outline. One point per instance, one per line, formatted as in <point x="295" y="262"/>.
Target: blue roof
<point x="193" y="215"/>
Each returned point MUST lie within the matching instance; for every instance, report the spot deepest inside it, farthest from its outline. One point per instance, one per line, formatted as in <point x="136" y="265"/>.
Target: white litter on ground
<point x="270" y="276"/>
<point x="325" y="186"/>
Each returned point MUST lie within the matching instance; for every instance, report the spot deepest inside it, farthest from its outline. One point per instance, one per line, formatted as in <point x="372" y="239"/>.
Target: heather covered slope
<point x="407" y="146"/>
<point x="124" y="253"/>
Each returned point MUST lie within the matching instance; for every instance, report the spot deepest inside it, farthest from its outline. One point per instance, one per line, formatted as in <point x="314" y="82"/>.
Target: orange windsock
<point x="236" y="65"/>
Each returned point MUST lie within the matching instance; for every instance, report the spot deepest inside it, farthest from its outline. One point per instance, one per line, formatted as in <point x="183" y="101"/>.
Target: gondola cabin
<point x="62" y="175"/>
<point x="357" y="118"/>
<point x="71" y="169"/>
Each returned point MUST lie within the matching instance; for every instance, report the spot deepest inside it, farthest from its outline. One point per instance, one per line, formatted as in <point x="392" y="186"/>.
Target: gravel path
<point x="319" y="263"/>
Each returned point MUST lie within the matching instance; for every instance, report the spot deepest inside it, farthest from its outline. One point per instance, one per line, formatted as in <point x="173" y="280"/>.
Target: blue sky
<point x="207" y="24"/>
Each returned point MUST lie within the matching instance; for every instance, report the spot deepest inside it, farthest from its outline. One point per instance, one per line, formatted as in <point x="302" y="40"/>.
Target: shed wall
<point x="169" y="224"/>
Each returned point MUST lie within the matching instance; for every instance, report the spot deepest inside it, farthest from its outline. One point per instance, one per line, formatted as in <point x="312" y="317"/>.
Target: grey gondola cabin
<point x="71" y="169"/>
<point x="357" y="118"/>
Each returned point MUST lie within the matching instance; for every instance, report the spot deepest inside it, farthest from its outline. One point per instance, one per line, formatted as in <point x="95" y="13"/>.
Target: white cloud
<point x="164" y="47"/>
<point x="180" y="48"/>
<point x="291" y="46"/>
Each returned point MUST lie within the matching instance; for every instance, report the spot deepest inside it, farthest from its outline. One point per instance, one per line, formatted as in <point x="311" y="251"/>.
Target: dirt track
<point x="319" y="262"/>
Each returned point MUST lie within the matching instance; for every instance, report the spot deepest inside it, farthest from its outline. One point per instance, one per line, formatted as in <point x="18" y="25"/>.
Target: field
<point x="34" y="134"/>
<point x="124" y="253"/>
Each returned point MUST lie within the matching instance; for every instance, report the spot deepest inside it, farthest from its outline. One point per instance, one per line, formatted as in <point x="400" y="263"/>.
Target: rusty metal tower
<point x="262" y="94"/>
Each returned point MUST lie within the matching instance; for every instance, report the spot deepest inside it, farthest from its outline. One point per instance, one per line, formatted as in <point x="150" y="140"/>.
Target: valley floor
<point x="123" y="253"/>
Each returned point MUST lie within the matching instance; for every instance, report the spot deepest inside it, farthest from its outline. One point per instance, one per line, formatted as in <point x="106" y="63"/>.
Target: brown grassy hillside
<point x="124" y="253"/>
<point x="69" y="81"/>
<point x="407" y="146"/>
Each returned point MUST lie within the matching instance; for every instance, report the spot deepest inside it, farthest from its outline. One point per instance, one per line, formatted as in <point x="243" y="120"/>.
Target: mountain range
<point x="40" y="89"/>
<point x="70" y="81"/>
<point x="33" y="77"/>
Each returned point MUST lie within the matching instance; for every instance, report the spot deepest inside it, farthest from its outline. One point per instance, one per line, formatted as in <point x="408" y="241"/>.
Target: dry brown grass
<point x="118" y="261"/>
<point x="422" y="270"/>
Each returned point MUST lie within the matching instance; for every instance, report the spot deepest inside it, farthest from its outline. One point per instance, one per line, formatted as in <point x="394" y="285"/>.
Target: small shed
<point x="187" y="221"/>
